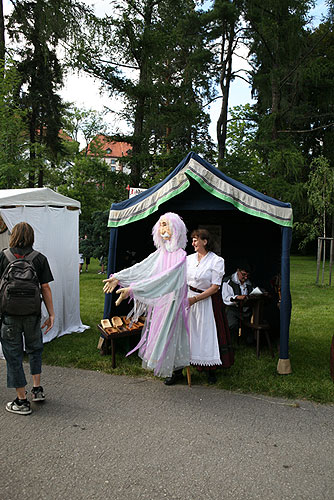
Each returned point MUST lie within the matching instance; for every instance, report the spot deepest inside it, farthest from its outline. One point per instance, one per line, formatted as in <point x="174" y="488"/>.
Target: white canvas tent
<point x="55" y="220"/>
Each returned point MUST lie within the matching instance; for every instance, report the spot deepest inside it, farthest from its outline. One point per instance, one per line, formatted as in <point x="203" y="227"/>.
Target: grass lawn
<point x="312" y="327"/>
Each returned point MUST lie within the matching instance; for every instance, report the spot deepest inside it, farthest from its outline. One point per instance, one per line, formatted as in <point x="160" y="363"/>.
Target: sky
<point x="85" y="92"/>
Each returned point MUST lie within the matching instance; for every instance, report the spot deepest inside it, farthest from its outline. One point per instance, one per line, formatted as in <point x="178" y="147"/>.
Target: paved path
<point x="101" y="436"/>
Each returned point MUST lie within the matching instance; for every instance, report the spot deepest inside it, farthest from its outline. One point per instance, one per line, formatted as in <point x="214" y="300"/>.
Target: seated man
<point x="235" y="290"/>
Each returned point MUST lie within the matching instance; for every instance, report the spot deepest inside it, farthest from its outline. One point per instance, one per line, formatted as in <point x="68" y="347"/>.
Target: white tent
<point x="55" y="220"/>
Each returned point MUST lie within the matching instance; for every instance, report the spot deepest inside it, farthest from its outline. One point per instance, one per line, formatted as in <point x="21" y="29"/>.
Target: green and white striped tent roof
<point x="213" y="181"/>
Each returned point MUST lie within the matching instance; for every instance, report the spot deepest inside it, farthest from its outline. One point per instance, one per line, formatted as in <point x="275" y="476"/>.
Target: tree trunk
<point x="225" y="82"/>
<point x="137" y="149"/>
<point x="2" y="35"/>
<point x="32" y="151"/>
<point x="41" y="161"/>
<point x="275" y="105"/>
<point x="168" y="144"/>
<point x="139" y="143"/>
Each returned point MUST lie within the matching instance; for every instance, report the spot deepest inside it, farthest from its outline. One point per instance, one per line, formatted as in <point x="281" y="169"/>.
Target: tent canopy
<point x="247" y="225"/>
<point x="35" y="197"/>
<point x="55" y="220"/>
<point x="213" y="181"/>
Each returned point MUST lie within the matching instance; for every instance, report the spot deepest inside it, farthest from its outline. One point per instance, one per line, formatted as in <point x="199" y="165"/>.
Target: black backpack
<point x="20" y="292"/>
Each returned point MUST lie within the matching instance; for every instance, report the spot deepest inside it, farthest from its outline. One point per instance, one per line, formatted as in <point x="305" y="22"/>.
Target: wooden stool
<point x="259" y="325"/>
<point x="261" y="328"/>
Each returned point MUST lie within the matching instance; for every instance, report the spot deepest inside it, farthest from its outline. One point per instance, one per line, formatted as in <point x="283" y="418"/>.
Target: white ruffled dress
<point x="204" y="348"/>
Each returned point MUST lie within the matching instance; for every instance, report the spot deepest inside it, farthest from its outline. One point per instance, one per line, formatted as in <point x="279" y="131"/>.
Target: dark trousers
<point x="13" y="330"/>
<point x="233" y="319"/>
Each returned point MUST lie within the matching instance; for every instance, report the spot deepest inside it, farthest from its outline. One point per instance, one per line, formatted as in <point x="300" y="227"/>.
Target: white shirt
<point x="228" y="293"/>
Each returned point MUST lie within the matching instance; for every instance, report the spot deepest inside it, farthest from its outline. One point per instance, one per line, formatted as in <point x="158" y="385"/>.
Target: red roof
<point x="62" y="134"/>
<point x="109" y="148"/>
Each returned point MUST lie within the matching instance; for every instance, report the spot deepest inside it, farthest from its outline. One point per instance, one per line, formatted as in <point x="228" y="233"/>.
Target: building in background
<point x="112" y="152"/>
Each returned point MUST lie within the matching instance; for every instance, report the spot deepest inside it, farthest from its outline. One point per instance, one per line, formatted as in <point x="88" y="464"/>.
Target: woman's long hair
<point x="22" y="236"/>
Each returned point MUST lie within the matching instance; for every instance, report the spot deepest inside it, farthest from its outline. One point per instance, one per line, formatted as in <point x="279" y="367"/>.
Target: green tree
<point x="37" y="28"/>
<point x="320" y="190"/>
<point x="313" y="120"/>
<point x="277" y="43"/>
<point x="90" y="180"/>
<point x="226" y="33"/>
<point x="87" y="122"/>
<point x="2" y="34"/>
<point x="159" y="67"/>
<point x="242" y="160"/>
<point x="279" y="49"/>
<point x="97" y="243"/>
<point x="129" y="37"/>
<point x="13" y="132"/>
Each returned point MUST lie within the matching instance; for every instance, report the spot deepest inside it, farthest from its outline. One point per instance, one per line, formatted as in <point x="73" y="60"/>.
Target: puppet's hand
<point x="110" y="285"/>
<point x="123" y="294"/>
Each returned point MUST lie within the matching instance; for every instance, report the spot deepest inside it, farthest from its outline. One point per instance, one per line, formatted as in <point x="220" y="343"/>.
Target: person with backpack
<point x="25" y="277"/>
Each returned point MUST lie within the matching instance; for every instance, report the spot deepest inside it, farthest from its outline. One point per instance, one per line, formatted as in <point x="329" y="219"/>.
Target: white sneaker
<point x="19" y="406"/>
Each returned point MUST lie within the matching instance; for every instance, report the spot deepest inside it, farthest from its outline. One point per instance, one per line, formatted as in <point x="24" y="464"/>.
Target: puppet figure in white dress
<point x="158" y="288"/>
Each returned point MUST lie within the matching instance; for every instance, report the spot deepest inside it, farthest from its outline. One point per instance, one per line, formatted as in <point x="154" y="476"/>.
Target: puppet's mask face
<point x="165" y="230"/>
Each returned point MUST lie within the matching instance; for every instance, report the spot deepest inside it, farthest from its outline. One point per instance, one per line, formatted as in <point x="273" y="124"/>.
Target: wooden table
<point x="109" y="341"/>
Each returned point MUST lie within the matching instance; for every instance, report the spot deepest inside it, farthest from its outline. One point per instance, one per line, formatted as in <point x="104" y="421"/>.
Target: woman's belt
<point x="197" y="290"/>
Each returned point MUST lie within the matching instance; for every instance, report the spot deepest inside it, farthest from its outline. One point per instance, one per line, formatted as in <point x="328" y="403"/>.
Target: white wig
<point x="178" y="230"/>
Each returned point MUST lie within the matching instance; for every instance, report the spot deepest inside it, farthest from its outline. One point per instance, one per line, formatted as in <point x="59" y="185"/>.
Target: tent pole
<point x="111" y="269"/>
<point x="284" y="366"/>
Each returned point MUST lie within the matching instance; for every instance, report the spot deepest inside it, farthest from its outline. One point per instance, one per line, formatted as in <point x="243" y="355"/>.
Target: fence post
<point x="331" y="261"/>
<point x="318" y="258"/>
